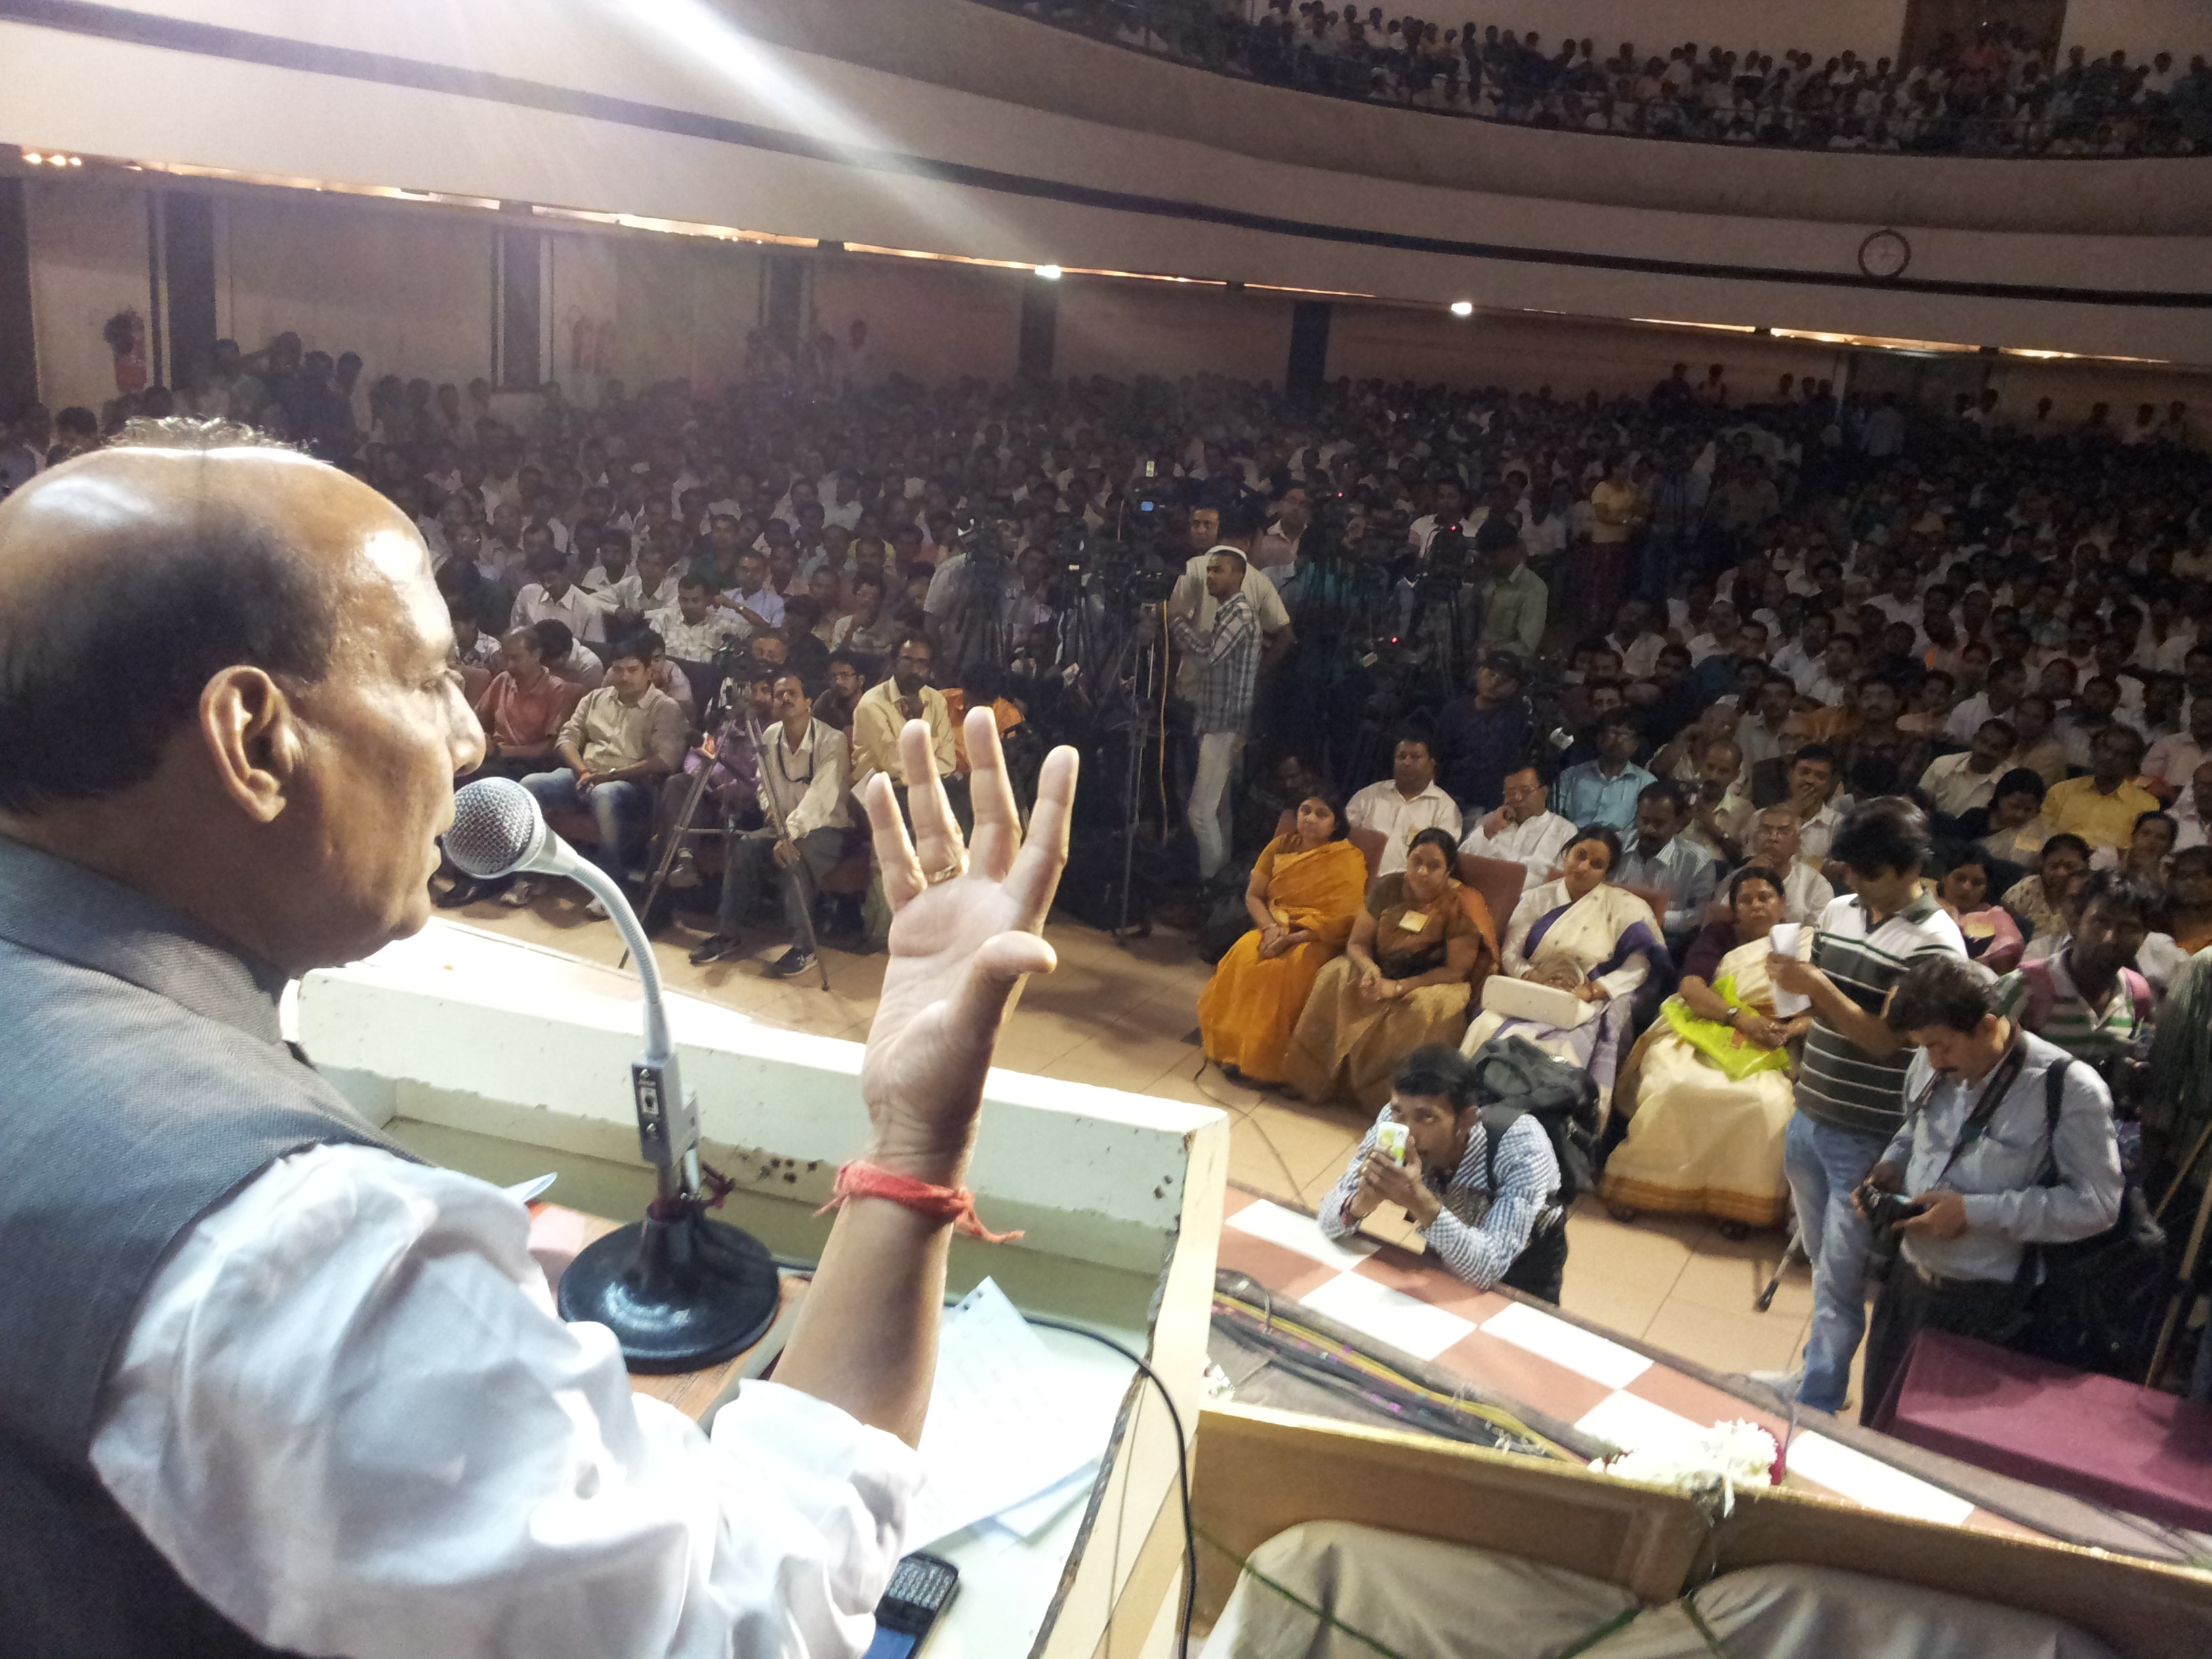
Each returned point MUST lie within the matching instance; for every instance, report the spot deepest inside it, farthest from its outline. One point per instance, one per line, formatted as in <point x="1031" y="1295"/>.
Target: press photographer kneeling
<point x="2007" y="1144"/>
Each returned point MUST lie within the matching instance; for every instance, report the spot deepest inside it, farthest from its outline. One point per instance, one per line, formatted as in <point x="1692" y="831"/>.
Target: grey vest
<point x="142" y="1081"/>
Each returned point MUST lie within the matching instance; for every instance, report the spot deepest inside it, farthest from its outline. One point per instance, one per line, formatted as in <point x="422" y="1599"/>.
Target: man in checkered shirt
<point x="1229" y="658"/>
<point x="1491" y="1219"/>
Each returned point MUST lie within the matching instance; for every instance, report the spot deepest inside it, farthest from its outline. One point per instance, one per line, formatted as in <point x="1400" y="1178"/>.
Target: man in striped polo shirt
<point x="1851" y="1083"/>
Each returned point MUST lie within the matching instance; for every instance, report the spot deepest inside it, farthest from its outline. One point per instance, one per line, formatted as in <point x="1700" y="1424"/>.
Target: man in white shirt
<point x="758" y="607"/>
<point x="554" y="598"/>
<point x="2007" y="685"/>
<point x="1776" y="842"/>
<point x="650" y="587"/>
<point x="1402" y="806"/>
<point x="1959" y="783"/>
<point x="327" y="1397"/>
<point x="2173" y="761"/>
<point x="1524" y="830"/>
<point x="2193" y="812"/>
<point x="693" y="630"/>
<point x="1276" y="554"/>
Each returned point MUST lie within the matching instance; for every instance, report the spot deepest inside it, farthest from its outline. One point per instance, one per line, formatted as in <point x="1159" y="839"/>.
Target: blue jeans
<point x="623" y="812"/>
<point x="1825" y="1166"/>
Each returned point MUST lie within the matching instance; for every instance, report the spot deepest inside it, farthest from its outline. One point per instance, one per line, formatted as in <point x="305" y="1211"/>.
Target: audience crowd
<point x="1997" y="92"/>
<point x="1660" y="736"/>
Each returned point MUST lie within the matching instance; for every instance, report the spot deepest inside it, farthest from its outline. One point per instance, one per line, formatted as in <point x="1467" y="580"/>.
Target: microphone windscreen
<point x="496" y="826"/>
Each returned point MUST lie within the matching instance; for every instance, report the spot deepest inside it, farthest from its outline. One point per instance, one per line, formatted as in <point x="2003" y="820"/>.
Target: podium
<point x="508" y="1061"/>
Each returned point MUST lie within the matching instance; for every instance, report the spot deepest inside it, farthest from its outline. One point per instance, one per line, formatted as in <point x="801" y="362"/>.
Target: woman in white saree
<point x="1591" y="944"/>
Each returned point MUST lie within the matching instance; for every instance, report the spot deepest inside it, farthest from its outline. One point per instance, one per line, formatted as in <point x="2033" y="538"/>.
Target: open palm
<point x="960" y="945"/>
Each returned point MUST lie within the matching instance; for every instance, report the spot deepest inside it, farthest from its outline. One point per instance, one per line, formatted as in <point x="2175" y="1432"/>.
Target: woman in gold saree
<point x="1421" y="947"/>
<point x="1305" y="890"/>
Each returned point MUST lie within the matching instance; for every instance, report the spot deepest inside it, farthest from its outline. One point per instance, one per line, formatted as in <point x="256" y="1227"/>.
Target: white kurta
<point x="350" y="1417"/>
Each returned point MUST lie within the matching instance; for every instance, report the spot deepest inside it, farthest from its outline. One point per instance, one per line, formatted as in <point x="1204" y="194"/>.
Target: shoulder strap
<point x="1496" y="1120"/>
<point x="2054" y="1099"/>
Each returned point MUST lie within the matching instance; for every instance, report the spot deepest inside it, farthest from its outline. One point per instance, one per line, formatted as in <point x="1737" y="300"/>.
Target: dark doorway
<point x="19" y="361"/>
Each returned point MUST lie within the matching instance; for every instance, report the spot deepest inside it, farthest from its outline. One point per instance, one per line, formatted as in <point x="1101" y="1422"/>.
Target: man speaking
<point x="266" y="1383"/>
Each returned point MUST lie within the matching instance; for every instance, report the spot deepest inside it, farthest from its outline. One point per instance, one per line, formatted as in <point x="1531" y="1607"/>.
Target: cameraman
<point x="1972" y="1154"/>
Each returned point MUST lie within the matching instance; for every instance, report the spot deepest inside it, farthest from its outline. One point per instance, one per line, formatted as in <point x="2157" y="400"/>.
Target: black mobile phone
<point x="921" y="1589"/>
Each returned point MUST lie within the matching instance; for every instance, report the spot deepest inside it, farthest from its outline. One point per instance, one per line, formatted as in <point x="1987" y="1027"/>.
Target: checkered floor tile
<point x="1521" y="1352"/>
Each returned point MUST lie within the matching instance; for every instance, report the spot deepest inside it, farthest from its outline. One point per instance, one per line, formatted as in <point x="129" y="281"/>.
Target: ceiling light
<point x="1463" y="307"/>
<point x="76" y="160"/>
<point x="1050" y="273"/>
<point x="33" y="157"/>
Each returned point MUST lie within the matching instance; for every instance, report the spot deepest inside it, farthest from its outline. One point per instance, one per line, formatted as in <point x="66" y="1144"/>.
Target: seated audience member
<point x="1814" y="773"/>
<point x="2040" y="900"/>
<point x="757" y="606"/>
<point x="617" y="745"/>
<point x="1304" y="893"/>
<point x="884" y="709"/>
<point x="1524" y="830"/>
<point x="1956" y="784"/>
<point x="2193" y="810"/>
<point x="1659" y="861"/>
<point x="2150" y="843"/>
<point x="1993" y="938"/>
<point x="1605" y="791"/>
<point x="1720" y="816"/>
<point x="2103" y="807"/>
<point x="1420" y="949"/>
<point x="569" y="658"/>
<point x="2035" y="745"/>
<point x="1491" y="1215"/>
<point x="804" y="651"/>
<point x="2088" y="995"/>
<point x="1482" y="737"/>
<point x="1579" y="934"/>
<point x="1852" y="1069"/>
<point x="802" y="771"/>
<point x="652" y="587"/>
<point x="1707" y="1088"/>
<point x="666" y="676"/>
<point x="2186" y="926"/>
<point x="1776" y="837"/>
<point x="1972" y="1155"/>
<point x="2012" y="828"/>
<point x="869" y="627"/>
<point x="692" y="631"/>
<point x="1402" y="806"/>
<point x="552" y="596"/>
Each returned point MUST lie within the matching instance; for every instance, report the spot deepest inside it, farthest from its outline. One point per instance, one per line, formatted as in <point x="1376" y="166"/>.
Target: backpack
<point x="2096" y="1304"/>
<point x="1513" y="1078"/>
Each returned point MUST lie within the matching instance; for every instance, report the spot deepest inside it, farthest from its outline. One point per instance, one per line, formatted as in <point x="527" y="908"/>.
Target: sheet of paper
<point x="997" y="1434"/>
<point x="1032" y="1516"/>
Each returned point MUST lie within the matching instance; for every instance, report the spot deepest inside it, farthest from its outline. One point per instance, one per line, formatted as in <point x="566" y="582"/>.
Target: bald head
<point x="223" y="682"/>
<point x="130" y="576"/>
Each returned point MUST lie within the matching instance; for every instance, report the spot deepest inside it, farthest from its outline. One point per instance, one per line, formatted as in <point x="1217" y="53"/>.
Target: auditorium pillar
<point x="1040" y="330"/>
<point x="1308" y="369"/>
<point x="188" y="283"/>
<point x="19" y="357"/>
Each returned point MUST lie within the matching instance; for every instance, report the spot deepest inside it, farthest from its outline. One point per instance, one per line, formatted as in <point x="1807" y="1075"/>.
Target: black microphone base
<point x="679" y="1295"/>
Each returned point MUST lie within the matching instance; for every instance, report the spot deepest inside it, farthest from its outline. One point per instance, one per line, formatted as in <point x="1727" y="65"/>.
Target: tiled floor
<point x="1123" y="1016"/>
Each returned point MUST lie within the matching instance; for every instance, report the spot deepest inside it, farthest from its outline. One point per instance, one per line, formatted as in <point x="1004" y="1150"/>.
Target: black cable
<point x="1183" y="1458"/>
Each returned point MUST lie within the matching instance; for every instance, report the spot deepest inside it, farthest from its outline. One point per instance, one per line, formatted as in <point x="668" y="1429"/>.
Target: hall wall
<point x="408" y="286"/>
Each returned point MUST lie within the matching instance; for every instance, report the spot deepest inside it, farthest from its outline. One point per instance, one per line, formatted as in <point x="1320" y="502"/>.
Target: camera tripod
<point x="684" y="828"/>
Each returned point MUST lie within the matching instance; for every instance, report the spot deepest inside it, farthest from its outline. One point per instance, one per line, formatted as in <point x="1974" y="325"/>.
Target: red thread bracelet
<point x="954" y="1205"/>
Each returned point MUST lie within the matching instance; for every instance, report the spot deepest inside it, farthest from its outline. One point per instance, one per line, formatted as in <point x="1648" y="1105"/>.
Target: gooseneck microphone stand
<point x="680" y="1291"/>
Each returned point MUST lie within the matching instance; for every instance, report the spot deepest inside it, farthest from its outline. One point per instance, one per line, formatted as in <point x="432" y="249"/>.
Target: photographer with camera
<point x="1978" y="1174"/>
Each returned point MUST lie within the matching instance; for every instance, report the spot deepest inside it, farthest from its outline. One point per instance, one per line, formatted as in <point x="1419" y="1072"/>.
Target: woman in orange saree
<point x="1306" y="890"/>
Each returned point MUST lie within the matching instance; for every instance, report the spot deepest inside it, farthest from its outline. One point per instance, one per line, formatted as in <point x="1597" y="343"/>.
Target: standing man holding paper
<point x="1851" y="1083"/>
<point x="266" y="1382"/>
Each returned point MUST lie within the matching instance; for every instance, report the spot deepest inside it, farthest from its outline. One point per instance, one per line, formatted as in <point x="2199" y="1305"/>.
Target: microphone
<point x="679" y="1292"/>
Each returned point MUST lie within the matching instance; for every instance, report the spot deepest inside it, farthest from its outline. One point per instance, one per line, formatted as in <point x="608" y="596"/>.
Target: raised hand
<point x="965" y="931"/>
